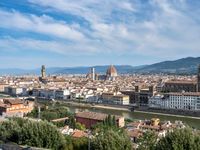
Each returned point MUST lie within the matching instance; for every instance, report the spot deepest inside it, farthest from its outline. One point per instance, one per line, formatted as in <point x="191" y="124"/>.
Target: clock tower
<point x="43" y="71"/>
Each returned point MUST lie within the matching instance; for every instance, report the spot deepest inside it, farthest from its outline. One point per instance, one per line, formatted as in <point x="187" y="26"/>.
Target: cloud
<point x="91" y="10"/>
<point x="39" y="24"/>
<point x="154" y="28"/>
<point x="28" y="44"/>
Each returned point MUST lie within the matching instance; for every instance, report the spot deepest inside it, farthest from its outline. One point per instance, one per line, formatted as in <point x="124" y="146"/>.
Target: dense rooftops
<point x="181" y="82"/>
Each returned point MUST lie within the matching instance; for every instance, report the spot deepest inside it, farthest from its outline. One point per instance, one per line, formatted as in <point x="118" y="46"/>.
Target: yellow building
<point x="155" y="121"/>
<point x="112" y="98"/>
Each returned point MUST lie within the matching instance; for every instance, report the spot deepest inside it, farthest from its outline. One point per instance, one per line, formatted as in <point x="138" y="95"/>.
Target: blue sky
<point x="97" y="32"/>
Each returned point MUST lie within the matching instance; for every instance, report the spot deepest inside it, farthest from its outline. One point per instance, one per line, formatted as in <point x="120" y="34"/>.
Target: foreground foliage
<point x="111" y="140"/>
<point x="182" y="139"/>
<point x="179" y="139"/>
<point x="107" y="136"/>
<point x="76" y="143"/>
<point x="50" y="113"/>
<point x="32" y="133"/>
<point x="147" y="141"/>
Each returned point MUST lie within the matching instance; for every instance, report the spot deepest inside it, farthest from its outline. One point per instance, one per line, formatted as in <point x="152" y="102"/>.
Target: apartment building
<point x="15" y="107"/>
<point x="182" y="101"/>
<point x="115" y="98"/>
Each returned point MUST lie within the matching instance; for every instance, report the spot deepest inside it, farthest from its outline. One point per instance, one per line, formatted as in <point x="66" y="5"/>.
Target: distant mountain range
<point x="181" y="66"/>
<point x="187" y="65"/>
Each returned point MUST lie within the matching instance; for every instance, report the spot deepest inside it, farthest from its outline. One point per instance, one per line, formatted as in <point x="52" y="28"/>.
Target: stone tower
<point x="43" y="71"/>
<point x="198" y="80"/>
<point x="93" y="73"/>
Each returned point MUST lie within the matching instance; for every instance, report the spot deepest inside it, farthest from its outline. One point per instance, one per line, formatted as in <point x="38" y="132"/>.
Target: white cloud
<point x="26" y="44"/>
<point x="163" y="28"/>
<point x="127" y="6"/>
<point x="42" y="24"/>
<point x="91" y="10"/>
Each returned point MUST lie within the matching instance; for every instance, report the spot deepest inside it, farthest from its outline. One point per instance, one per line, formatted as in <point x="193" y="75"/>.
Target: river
<point x="192" y="122"/>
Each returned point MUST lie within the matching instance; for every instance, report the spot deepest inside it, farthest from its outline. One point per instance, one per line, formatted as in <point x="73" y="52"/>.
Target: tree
<point x="72" y="122"/>
<point x="80" y="126"/>
<point x="69" y="144"/>
<point x="180" y="139"/>
<point x="110" y="121"/>
<point x="147" y="141"/>
<point x="127" y="121"/>
<point x="114" y="121"/>
<point x="10" y="131"/>
<point x="50" y="114"/>
<point x="111" y="140"/>
<point x="32" y="133"/>
<point x="80" y="143"/>
<point x="76" y="143"/>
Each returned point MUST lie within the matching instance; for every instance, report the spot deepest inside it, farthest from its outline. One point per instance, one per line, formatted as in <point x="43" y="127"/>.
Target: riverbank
<point x="124" y="111"/>
<point x="153" y="113"/>
<point x="124" y="108"/>
<point x="2" y="95"/>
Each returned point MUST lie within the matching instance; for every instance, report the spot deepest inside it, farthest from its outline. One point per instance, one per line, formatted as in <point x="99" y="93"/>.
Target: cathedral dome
<point x="111" y="72"/>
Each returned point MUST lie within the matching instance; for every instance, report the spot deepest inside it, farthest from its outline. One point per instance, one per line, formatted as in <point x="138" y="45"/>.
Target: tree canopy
<point x="147" y="141"/>
<point x="50" y="113"/>
<point x="111" y="140"/>
<point x="180" y="139"/>
<point x="32" y="133"/>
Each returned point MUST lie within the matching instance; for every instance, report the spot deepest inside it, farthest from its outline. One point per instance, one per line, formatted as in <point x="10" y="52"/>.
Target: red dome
<point x="112" y="71"/>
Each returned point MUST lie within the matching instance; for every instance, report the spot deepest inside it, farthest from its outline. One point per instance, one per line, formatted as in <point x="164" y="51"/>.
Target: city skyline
<point x="86" y="33"/>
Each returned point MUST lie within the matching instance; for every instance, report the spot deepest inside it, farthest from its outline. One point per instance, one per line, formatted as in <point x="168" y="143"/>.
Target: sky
<point x="67" y="33"/>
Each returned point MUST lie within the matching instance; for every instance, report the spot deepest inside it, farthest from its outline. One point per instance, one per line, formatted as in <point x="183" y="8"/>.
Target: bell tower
<point x="43" y="71"/>
<point x="198" y="79"/>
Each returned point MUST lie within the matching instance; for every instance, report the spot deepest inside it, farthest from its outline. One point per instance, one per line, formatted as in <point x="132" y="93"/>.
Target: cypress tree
<point x="109" y="120"/>
<point x="114" y="121"/>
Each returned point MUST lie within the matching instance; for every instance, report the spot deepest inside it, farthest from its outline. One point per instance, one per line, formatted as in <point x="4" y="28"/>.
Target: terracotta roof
<point x="134" y="124"/>
<point x="4" y="105"/>
<point x="78" y="134"/>
<point x="14" y="101"/>
<point x="134" y="133"/>
<point x="93" y="115"/>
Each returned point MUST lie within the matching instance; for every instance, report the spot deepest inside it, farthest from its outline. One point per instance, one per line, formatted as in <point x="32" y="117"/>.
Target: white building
<point x="43" y="93"/>
<point x="62" y="94"/>
<point x="13" y="90"/>
<point x="36" y="92"/>
<point x="115" y="98"/>
<point x="158" y="101"/>
<point x="50" y="93"/>
<point x="182" y="101"/>
<point x="187" y="101"/>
